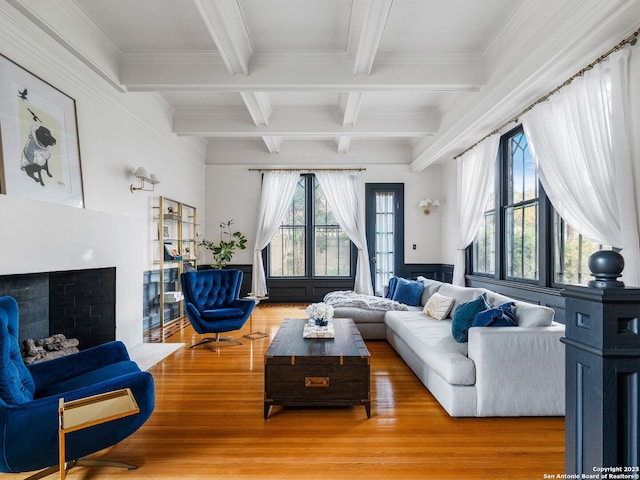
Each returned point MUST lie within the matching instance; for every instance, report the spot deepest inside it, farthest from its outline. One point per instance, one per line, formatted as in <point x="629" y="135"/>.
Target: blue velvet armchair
<point x="29" y="399"/>
<point x="212" y="303"/>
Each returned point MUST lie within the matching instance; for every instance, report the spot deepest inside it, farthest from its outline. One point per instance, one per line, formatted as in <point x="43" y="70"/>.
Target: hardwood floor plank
<point x="208" y="423"/>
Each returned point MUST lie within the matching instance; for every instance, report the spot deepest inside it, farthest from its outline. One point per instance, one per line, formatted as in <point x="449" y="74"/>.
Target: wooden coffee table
<point x="317" y="372"/>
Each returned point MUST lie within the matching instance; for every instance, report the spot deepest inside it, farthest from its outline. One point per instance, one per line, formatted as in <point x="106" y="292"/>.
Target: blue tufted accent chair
<point x="212" y="304"/>
<point x="29" y="397"/>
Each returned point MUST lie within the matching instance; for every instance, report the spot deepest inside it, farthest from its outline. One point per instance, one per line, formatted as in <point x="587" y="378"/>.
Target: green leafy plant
<point x="224" y="250"/>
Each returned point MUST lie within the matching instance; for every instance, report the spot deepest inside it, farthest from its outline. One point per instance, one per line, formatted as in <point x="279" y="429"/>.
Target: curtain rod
<point x="630" y="40"/>
<point x="307" y="169"/>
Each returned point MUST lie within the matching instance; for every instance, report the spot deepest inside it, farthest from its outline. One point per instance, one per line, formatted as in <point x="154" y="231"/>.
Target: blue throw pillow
<point x="408" y="292"/>
<point x="500" y="316"/>
<point x="464" y="314"/>
<point x="393" y="282"/>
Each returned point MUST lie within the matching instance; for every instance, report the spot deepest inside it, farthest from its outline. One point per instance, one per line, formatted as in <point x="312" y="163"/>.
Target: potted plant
<point x="224" y="250"/>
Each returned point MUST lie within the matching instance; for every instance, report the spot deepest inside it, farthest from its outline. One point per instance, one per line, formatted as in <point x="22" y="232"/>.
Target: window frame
<point x="545" y="227"/>
<point x="310" y="230"/>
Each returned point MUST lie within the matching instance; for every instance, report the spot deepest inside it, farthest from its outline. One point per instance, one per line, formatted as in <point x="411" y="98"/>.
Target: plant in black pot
<point x="224" y="250"/>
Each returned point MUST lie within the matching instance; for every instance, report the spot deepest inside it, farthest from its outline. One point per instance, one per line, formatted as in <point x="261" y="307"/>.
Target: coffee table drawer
<point x="316" y="384"/>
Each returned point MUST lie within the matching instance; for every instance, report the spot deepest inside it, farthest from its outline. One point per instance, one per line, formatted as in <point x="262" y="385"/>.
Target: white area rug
<point x="146" y="355"/>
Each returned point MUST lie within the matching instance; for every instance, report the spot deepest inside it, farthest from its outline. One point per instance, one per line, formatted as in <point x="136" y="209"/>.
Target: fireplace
<point x="79" y="304"/>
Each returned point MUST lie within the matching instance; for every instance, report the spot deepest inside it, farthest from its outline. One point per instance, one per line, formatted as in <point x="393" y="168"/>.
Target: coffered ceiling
<point x="334" y="81"/>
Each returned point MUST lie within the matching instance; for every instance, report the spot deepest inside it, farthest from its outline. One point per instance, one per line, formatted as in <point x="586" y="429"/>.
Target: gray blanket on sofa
<point x="348" y="298"/>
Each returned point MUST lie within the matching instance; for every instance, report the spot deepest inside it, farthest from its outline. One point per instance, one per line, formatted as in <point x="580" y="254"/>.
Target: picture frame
<point x="39" y="145"/>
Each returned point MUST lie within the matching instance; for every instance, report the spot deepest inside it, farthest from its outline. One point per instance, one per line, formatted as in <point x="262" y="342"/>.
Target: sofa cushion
<point x="438" y="306"/>
<point x="496" y="299"/>
<point x="432" y="342"/>
<point x="391" y="289"/>
<point x="430" y="287"/>
<point x="360" y="315"/>
<point x="408" y="291"/>
<point x="530" y="315"/>
<point x="500" y="316"/>
<point x="90" y="377"/>
<point x="460" y="294"/>
<point x="464" y="314"/>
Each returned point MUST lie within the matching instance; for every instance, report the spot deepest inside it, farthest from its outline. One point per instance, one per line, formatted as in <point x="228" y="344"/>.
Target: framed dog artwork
<point x="40" y="154"/>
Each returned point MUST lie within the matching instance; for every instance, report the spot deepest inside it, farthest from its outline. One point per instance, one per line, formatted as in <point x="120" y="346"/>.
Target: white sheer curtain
<point x="344" y="192"/>
<point x="278" y="189"/>
<point x="475" y="176"/>
<point x="580" y="143"/>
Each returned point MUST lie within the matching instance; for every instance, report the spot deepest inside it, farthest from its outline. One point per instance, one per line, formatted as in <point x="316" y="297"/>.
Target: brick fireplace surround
<point x="79" y="304"/>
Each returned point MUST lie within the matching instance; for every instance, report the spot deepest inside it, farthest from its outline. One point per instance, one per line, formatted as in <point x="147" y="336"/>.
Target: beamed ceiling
<point x="274" y="82"/>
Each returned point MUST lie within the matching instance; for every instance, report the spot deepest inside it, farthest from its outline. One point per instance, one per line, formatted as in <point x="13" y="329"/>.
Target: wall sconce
<point x="142" y="174"/>
<point x="428" y="205"/>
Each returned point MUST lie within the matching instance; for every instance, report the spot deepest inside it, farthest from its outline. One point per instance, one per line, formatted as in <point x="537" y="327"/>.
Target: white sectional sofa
<point x="500" y="371"/>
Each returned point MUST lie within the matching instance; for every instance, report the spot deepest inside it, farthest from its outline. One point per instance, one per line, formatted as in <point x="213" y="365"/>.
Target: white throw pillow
<point x="438" y="306"/>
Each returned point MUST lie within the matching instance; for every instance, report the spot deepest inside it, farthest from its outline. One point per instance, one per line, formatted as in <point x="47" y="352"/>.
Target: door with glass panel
<point x="385" y="232"/>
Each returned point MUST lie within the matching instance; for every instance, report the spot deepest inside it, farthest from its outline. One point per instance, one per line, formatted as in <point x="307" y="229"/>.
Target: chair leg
<point x="226" y="339"/>
<point x="82" y="462"/>
<point x="96" y="462"/>
<point x="217" y="340"/>
<point x="44" y="473"/>
<point x="203" y="341"/>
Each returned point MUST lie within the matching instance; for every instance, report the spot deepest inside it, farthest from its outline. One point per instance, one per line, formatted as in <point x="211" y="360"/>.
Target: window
<point x="484" y="247"/>
<point x="309" y="241"/>
<point x="571" y="253"/>
<point x="332" y="247"/>
<point x="520" y="209"/>
<point x="521" y="238"/>
<point x="287" y="253"/>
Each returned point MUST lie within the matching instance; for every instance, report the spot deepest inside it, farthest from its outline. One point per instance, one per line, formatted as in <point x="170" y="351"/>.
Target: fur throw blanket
<point x="347" y="298"/>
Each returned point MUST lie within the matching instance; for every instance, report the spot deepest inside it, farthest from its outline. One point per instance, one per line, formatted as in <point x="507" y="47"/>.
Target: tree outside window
<point x="509" y="244"/>
<point x="309" y="241"/>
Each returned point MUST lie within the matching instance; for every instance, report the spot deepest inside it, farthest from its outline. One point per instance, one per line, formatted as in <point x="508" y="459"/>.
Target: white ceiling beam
<point x="225" y="23"/>
<point x="344" y="142"/>
<point x="206" y="72"/>
<point x="260" y="109"/>
<point x="366" y="27"/>
<point x="201" y="123"/>
<point x="258" y="105"/>
<point x="272" y="143"/>
<point x="78" y="34"/>
<point x="350" y="104"/>
<point x="554" y="47"/>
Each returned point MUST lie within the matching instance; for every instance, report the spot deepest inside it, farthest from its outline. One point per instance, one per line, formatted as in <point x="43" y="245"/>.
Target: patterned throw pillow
<point x="438" y="306"/>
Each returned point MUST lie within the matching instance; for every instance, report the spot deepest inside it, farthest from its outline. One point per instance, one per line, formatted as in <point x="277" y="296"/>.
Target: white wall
<point x="117" y="133"/>
<point x="419" y="229"/>
<point x="233" y="192"/>
<point x="449" y="227"/>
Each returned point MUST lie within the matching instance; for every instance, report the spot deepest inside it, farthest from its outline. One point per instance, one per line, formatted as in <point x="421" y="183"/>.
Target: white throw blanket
<point x="348" y="298"/>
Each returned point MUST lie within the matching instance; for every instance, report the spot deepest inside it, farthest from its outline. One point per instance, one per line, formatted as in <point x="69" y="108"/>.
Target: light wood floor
<point x="208" y="424"/>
